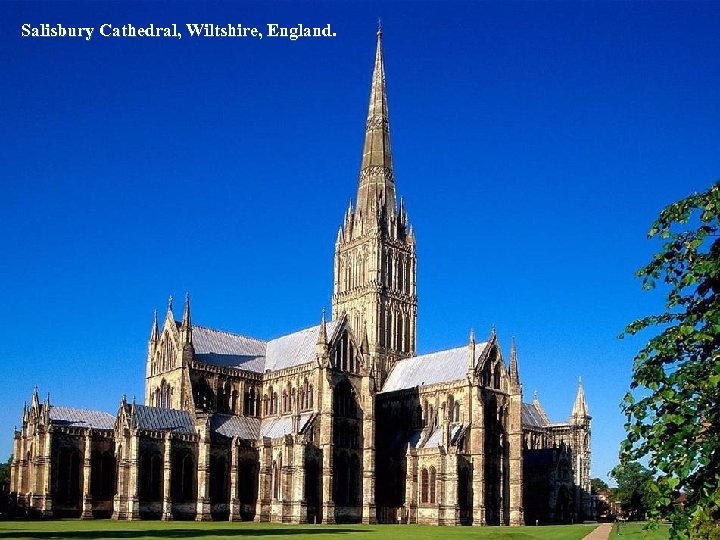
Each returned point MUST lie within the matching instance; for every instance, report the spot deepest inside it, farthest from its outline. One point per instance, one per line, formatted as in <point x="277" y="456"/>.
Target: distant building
<point x="341" y="422"/>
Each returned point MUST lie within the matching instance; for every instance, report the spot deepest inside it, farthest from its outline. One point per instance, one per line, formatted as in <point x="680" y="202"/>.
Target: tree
<point x="635" y="489"/>
<point x="673" y="406"/>
<point x="597" y="485"/>
<point x="5" y="473"/>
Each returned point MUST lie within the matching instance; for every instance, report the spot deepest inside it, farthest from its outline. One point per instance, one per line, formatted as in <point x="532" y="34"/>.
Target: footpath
<point x="601" y="532"/>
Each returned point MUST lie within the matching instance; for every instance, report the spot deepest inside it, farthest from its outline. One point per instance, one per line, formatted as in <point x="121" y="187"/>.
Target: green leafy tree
<point x="5" y="473"/>
<point x="636" y="488"/>
<point x="673" y="406"/>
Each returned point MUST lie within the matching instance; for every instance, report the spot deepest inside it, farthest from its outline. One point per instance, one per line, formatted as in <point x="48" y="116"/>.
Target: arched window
<point x="310" y="397"/>
<point x="496" y="376"/>
<point x="276" y="480"/>
<point x="233" y="401"/>
<point x="274" y="404"/>
<point x="456" y="412"/>
<point x="151" y="476"/>
<point x="424" y="485"/>
<point x="432" y="485"/>
<point x="266" y="405"/>
<point x="182" y="479"/>
<point x="218" y="479"/>
<point x="162" y="395"/>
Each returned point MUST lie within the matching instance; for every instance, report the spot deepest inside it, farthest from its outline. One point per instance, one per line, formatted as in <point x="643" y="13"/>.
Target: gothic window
<point x="218" y="479"/>
<point x="266" y="405"/>
<point x="348" y="285"/>
<point x="496" y="376"/>
<point x="233" y="402"/>
<point x="102" y="475"/>
<point x="400" y="267"/>
<point x="285" y="400"/>
<point x="485" y="376"/>
<point x="251" y="399"/>
<point x="310" y="397"/>
<point x="162" y="395"/>
<point x="424" y="485"/>
<point x="247" y="472"/>
<point x="408" y="273"/>
<point x="432" y="485"/>
<point x="275" y="480"/>
<point x="183" y="472"/>
<point x="382" y="329"/>
<point x="69" y="474"/>
<point x="274" y="403"/>
<point x="151" y="476"/>
<point x="407" y="333"/>
<point x="456" y="412"/>
<point x="293" y="398"/>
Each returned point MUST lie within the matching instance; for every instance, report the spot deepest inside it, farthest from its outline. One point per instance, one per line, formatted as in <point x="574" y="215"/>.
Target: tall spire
<point x="580" y="408"/>
<point x="376" y="189"/>
<point x="322" y="340"/>
<point x="514" y="375"/>
<point x="186" y="326"/>
<point x="155" y="332"/>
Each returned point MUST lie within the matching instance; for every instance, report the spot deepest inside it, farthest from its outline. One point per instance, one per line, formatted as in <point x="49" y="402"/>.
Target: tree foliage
<point x="5" y="472"/>
<point x="636" y="488"/>
<point x="673" y="406"/>
<point x="597" y="485"/>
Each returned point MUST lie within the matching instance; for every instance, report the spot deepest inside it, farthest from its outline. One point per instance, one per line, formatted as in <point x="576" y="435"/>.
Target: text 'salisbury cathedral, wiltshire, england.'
<point x="338" y="423"/>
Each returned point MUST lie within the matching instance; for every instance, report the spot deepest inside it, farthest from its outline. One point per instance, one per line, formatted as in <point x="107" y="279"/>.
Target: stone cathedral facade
<point x="341" y="422"/>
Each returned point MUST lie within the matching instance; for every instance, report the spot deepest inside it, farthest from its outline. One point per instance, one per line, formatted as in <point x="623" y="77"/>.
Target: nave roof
<point x="438" y="367"/>
<point x="225" y="349"/>
<point x="86" y="418"/>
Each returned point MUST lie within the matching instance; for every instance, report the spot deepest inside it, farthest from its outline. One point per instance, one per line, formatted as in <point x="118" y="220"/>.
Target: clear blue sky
<point x="534" y="144"/>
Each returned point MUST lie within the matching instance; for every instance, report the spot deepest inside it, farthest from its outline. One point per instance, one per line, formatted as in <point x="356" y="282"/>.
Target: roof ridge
<point x="220" y="331"/>
<point x="307" y="329"/>
<point x="53" y="406"/>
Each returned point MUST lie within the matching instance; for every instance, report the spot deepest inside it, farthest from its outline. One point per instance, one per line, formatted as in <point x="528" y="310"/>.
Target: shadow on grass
<point x="175" y="533"/>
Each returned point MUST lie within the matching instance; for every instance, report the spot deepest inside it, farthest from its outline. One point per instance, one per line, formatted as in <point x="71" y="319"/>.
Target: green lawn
<point x="636" y="531"/>
<point x="137" y="530"/>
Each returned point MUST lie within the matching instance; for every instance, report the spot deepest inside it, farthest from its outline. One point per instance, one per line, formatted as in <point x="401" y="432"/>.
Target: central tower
<point x="375" y="248"/>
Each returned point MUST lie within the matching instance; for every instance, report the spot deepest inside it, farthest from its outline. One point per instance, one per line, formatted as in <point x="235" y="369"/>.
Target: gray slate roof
<point x="437" y="367"/>
<point x="296" y="348"/>
<point x="70" y="416"/>
<point x="532" y="416"/>
<point x="231" y="426"/>
<point x="224" y="349"/>
<point x="162" y="419"/>
<point x="228" y="350"/>
<point x="281" y="426"/>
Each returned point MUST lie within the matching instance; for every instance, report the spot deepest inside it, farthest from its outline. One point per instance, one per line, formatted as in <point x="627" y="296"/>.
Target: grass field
<point x="137" y="530"/>
<point x="636" y="531"/>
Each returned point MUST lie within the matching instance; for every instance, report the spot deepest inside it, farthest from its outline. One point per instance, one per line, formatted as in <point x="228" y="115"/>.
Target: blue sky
<point x="534" y="144"/>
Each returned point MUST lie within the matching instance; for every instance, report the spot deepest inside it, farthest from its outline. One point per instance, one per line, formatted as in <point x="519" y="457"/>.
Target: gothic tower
<point x="375" y="248"/>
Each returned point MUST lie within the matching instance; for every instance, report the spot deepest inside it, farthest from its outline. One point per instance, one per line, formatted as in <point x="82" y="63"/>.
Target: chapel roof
<point x="161" y="419"/>
<point x="225" y="349"/>
<point x="73" y="417"/>
<point x="438" y="367"/>
<point x="228" y="425"/>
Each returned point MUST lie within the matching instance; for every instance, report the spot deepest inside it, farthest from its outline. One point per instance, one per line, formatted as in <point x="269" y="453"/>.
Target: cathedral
<point x="339" y="423"/>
